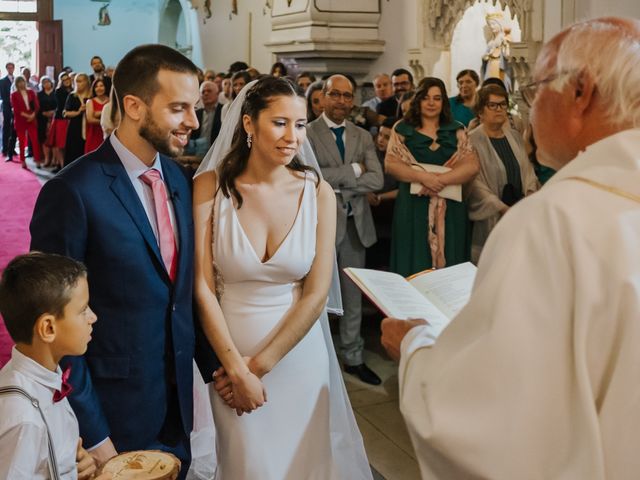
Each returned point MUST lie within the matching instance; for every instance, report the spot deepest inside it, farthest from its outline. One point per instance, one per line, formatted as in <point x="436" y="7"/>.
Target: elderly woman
<point x="506" y="174"/>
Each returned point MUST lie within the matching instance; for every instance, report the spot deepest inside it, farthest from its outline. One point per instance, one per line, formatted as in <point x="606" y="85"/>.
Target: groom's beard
<point x="158" y="138"/>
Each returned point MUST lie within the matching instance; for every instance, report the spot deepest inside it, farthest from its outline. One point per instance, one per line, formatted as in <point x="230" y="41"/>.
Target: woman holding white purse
<point x="429" y="231"/>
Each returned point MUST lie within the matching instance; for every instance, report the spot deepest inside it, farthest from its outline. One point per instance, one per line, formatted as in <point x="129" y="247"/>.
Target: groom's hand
<point x="222" y="384"/>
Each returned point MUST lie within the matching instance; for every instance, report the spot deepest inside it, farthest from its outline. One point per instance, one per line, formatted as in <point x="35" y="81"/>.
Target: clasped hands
<point x="244" y="392"/>
<point x="29" y="117"/>
<point x="432" y="185"/>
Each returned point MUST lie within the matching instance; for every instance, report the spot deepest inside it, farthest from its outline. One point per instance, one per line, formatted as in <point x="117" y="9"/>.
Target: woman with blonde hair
<point x="24" y="103"/>
<point x="74" y="111"/>
<point x="47" y="101"/>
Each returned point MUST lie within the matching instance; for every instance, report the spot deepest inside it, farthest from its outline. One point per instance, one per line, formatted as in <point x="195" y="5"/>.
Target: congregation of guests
<point x="450" y="167"/>
<point x="55" y="124"/>
<point x="424" y="141"/>
<point x="431" y="174"/>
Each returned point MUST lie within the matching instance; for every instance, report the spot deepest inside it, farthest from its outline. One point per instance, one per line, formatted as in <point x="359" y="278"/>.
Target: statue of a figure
<point x="495" y="61"/>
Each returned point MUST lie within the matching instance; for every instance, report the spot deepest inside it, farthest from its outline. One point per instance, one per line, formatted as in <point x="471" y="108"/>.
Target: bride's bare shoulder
<point x="325" y="194"/>
<point x="205" y="184"/>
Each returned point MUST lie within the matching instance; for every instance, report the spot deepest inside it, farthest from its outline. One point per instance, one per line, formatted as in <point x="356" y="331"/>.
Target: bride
<point x="265" y="229"/>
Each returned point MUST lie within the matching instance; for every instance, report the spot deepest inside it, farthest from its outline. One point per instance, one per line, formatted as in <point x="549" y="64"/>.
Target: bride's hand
<point x="248" y="391"/>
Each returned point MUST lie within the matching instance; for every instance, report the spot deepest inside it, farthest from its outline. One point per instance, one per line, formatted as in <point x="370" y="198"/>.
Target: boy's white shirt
<point x="23" y="436"/>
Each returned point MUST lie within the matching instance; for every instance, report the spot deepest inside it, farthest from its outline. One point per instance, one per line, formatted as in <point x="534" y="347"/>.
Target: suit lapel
<point x="351" y="139"/>
<point x="329" y="142"/>
<point x="215" y="128"/>
<point x="181" y="212"/>
<point x="123" y="189"/>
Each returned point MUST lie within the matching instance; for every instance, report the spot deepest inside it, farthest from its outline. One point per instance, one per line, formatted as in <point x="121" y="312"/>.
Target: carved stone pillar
<point x="523" y="58"/>
<point x="437" y="23"/>
<point x="326" y="36"/>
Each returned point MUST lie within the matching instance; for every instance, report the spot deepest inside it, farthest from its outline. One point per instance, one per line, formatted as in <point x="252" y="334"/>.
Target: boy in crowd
<point x="44" y="300"/>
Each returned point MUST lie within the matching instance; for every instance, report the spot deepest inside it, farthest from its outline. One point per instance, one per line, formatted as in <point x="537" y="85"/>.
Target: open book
<point x="435" y="295"/>
<point x="452" y="192"/>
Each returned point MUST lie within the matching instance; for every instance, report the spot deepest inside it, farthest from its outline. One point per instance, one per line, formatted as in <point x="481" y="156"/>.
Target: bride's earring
<point x="249" y="140"/>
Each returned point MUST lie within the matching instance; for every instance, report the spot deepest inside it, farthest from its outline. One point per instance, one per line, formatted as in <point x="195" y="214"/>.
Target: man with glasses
<point x="537" y="376"/>
<point x="401" y="82"/>
<point x="348" y="160"/>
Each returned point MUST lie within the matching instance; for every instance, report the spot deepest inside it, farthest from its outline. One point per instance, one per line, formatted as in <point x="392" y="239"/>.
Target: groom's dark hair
<point x="137" y="72"/>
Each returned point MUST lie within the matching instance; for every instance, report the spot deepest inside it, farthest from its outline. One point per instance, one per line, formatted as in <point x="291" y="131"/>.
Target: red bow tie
<point x="66" y="388"/>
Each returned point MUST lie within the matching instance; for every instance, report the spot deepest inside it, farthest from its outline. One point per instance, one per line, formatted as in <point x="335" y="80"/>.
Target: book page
<point x="395" y="296"/>
<point x="449" y="288"/>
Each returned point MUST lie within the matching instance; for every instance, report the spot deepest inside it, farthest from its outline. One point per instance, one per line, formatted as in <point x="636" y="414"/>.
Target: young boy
<point x="44" y="302"/>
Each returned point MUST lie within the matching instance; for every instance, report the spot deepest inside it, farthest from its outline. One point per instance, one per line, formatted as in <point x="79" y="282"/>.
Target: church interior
<point x="361" y="38"/>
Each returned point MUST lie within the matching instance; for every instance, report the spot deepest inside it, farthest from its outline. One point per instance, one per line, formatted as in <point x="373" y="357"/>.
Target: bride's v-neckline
<point x="286" y="237"/>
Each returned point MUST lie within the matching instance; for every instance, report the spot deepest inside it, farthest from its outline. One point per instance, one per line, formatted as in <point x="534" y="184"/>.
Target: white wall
<point x="599" y="8"/>
<point x="226" y="38"/>
<point x="398" y="28"/>
<point x="133" y="22"/>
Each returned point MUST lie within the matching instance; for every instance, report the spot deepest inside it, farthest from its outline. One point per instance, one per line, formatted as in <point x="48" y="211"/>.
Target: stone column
<point x="324" y="36"/>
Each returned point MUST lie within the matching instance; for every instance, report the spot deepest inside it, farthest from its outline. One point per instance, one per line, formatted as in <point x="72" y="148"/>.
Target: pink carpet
<point x="18" y="192"/>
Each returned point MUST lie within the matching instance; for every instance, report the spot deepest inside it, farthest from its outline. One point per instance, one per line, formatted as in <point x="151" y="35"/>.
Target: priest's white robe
<point x="538" y="377"/>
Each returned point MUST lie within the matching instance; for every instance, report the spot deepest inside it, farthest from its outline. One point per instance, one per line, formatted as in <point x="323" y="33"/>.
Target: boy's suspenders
<point x="53" y="464"/>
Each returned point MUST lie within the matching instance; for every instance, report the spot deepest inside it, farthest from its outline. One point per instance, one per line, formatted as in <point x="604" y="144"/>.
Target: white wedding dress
<point x="289" y="437"/>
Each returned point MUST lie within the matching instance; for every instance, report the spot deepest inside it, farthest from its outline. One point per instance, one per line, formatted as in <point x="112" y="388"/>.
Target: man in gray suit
<point x="347" y="157"/>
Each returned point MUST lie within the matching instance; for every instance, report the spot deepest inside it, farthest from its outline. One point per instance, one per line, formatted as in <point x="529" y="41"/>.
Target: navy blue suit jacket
<point x="5" y="94"/>
<point x="143" y="341"/>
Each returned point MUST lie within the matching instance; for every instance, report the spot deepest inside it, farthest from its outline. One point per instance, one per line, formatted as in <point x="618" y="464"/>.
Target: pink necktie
<point x="166" y="237"/>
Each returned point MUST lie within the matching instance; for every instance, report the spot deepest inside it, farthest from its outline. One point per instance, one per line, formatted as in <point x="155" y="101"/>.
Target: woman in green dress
<point x="429" y="231"/>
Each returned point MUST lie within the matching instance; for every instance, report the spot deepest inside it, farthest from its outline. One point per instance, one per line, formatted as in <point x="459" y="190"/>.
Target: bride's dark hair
<point x="257" y="99"/>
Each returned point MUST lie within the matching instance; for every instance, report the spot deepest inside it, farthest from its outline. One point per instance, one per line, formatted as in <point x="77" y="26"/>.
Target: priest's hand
<point x="394" y="331"/>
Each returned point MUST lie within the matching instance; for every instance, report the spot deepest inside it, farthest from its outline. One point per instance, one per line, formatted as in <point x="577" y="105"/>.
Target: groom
<point x="125" y="211"/>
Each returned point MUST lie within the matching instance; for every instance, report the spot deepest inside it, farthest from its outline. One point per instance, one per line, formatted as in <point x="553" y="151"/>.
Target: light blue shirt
<point x="372" y="103"/>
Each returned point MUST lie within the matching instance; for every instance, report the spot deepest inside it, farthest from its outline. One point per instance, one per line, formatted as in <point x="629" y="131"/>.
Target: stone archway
<point x="469" y="38"/>
<point x="174" y="29"/>
<point x="439" y="19"/>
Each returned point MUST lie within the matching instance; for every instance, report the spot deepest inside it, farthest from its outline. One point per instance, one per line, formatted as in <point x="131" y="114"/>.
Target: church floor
<point x="386" y="439"/>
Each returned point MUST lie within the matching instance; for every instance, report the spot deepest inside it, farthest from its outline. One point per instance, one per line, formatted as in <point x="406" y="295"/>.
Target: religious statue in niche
<point x="495" y="61"/>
